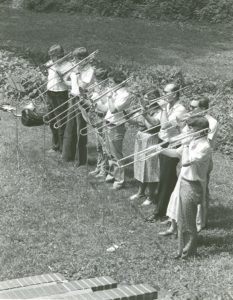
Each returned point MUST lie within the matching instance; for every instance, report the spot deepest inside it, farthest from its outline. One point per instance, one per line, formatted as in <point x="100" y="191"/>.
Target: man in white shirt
<point x="171" y="110"/>
<point x="75" y="144"/>
<point x="195" y="156"/>
<point x="118" y="101"/>
<point x="57" y="93"/>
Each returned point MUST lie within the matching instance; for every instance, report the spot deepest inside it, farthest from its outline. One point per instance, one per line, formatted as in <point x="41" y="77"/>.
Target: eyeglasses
<point x="165" y="92"/>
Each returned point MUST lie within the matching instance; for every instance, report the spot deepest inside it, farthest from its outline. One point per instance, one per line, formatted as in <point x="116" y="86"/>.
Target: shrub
<point x="207" y="10"/>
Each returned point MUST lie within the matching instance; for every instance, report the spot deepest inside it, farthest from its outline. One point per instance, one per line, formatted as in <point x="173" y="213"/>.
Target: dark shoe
<point x="177" y="256"/>
<point x="153" y="218"/>
<point x="109" y="179"/>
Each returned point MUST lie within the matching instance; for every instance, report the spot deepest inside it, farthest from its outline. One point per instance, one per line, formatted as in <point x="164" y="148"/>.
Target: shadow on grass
<point x="216" y="244"/>
<point x="220" y="217"/>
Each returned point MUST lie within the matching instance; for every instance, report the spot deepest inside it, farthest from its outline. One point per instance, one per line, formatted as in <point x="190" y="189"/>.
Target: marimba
<point x="55" y="286"/>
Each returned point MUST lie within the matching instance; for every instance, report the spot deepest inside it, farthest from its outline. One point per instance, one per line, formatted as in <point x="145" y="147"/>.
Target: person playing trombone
<point x="118" y="101"/>
<point x="171" y="109"/>
<point x="101" y="107"/>
<point x="194" y="154"/>
<point x="146" y="172"/>
<point x="75" y="144"/>
<point x="57" y="94"/>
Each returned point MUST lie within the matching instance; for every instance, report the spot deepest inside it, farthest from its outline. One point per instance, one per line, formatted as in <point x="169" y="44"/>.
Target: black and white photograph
<point x="116" y="149"/>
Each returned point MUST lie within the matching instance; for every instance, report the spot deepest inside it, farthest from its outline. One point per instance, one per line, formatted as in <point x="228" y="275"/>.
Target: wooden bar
<point x="30" y="281"/>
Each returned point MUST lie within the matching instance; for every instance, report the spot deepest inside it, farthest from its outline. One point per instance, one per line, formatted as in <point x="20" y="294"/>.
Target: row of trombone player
<point x="84" y="100"/>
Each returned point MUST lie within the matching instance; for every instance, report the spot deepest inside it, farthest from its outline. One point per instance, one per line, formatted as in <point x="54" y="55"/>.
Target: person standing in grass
<point x="146" y="171"/>
<point x="118" y="101"/>
<point x="171" y="109"/>
<point x="195" y="155"/>
<point x="75" y="144"/>
<point x="57" y="93"/>
<point x="101" y="107"/>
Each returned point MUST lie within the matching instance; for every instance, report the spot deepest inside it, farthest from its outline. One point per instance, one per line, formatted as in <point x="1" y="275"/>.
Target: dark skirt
<point x="167" y="182"/>
<point x="75" y="144"/>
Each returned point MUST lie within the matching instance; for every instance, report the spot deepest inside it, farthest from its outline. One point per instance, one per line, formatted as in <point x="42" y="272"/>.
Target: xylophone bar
<point x="46" y="290"/>
<point x="31" y="281"/>
<point x="134" y="292"/>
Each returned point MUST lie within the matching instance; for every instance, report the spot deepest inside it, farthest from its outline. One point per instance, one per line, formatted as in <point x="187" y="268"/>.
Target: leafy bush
<point x="208" y="10"/>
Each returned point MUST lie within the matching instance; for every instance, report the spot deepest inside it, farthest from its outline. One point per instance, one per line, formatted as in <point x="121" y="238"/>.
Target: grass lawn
<point x="56" y="219"/>
<point x="197" y="49"/>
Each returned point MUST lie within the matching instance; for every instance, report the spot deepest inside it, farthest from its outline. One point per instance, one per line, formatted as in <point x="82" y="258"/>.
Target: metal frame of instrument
<point x="115" y="88"/>
<point x="153" y="101"/>
<point x="85" y="60"/>
<point x="64" y="103"/>
<point x="174" y="143"/>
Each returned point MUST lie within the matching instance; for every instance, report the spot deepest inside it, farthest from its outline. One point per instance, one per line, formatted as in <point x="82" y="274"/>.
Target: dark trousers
<point x="55" y="99"/>
<point x="168" y="179"/>
<point x="75" y="144"/>
<point x="152" y="186"/>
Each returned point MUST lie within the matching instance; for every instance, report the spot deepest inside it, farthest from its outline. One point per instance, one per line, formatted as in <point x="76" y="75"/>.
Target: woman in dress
<point x="146" y="172"/>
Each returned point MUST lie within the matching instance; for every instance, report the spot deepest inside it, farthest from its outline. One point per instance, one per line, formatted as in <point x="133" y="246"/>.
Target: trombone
<point x="115" y="88"/>
<point x="176" y="141"/>
<point x="85" y="60"/>
<point x="124" y="119"/>
<point x="182" y="120"/>
<point x="149" y="108"/>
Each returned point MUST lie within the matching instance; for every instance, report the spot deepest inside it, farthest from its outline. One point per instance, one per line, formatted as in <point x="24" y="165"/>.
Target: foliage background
<point x="203" y="10"/>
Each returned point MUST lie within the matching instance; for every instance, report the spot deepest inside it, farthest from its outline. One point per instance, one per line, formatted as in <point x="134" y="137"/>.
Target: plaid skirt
<point x="146" y="170"/>
<point x="190" y="195"/>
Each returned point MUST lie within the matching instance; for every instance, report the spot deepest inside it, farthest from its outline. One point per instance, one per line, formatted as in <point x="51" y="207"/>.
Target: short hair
<point x="199" y="123"/>
<point x="152" y="94"/>
<point x="174" y="87"/>
<point x="80" y="53"/>
<point x="204" y="103"/>
<point x="118" y="76"/>
<point x="101" y="74"/>
<point x="57" y="50"/>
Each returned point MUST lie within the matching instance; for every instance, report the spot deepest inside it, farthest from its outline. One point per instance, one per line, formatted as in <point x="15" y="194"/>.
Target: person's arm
<point x="164" y="117"/>
<point x="67" y="80"/>
<point x="185" y="156"/>
<point x="170" y="121"/>
<point x="102" y="107"/>
<point x="190" y="158"/>
<point x="151" y="119"/>
<point x="74" y="85"/>
<point x="111" y="105"/>
<point x="170" y="153"/>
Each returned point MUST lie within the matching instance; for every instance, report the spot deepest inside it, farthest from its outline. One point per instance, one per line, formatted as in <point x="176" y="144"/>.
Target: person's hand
<point x="73" y="76"/>
<point x="162" y="103"/>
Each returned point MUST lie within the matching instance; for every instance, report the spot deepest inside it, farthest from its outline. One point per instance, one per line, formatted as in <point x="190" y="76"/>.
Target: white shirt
<point x="87" y="76"/>
<point x="83" y="80"/>
<point x="176" y="111"/>
<point x="55" y="83"/>
<point x="102" y="104"/>
<point x="199" y="156"/>
<point x="120" y="99"/>
<point x="213" y="126"/>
